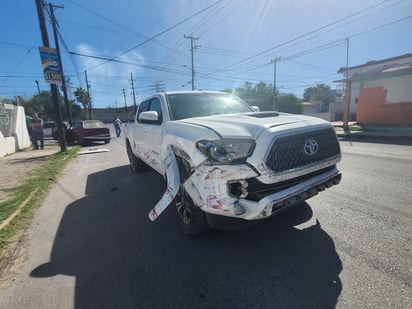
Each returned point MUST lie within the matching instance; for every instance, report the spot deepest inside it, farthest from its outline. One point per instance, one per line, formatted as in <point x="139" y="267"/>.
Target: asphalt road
<point x="92" y="245"/>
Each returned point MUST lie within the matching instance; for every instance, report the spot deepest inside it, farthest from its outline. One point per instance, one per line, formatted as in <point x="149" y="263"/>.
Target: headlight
<point x="226" y="151"/>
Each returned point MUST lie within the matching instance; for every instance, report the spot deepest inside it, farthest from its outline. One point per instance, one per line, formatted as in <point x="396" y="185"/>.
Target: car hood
<point x="251" y="125"/>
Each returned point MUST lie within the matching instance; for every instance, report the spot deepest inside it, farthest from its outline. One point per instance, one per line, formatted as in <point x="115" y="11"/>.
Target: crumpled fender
<point x="172" y="187"/>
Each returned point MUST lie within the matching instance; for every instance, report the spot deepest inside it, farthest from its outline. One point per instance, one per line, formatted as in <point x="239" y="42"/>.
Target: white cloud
<point x="108" y="78"/>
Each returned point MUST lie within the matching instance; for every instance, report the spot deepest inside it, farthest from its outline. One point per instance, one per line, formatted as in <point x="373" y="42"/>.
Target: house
<point x="382" y="91"/>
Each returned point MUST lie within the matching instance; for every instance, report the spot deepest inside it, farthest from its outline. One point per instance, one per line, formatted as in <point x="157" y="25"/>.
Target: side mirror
<point x="149" y="117"/>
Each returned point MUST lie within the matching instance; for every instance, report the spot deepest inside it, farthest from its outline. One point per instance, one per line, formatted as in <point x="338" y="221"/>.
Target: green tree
<point x="320" y="92"/>
<point x="260" y="94"/>
<point x="289" y="104"/>
<point x="42" y="104"/>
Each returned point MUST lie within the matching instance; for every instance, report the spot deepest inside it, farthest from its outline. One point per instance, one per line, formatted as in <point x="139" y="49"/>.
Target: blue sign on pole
<point x="50" y="64"/>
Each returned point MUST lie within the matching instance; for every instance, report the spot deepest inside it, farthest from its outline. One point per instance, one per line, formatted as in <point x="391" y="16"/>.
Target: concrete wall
<point x="386" y="102"/>
<point x="13" y="134"/>
<point x="324" y="116"/>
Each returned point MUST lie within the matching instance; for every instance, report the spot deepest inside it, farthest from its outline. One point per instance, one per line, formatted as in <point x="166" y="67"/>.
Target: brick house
<point x="382" y="91"/>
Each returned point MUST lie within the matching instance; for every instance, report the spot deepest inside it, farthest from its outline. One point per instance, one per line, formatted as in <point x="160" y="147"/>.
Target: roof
<point x="391" y="67"/>
<point x="374" y="63"/>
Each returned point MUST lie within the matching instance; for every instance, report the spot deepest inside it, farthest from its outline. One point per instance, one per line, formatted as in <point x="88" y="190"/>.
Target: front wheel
<point x="136" y="165"/>
<point x="191" y="219"/>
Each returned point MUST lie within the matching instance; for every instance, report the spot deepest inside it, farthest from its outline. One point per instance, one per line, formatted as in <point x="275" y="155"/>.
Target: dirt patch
<point x="16" y="168"/>
<point x="12" y="258"/>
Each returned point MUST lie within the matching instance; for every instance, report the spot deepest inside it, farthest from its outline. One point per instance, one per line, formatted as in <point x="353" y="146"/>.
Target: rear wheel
<point x="82" y="142"/>
<point x="136" y="165"/>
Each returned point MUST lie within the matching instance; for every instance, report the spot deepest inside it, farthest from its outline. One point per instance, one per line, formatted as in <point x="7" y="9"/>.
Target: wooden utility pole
<point x="348" y="90"/>
<point x="89" y="107"/>
<point x="59" y="59"/>
<point x="53" y="87"/>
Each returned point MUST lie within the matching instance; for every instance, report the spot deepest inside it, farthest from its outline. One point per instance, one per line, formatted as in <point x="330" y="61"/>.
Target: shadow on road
<point x="122" y="260"/>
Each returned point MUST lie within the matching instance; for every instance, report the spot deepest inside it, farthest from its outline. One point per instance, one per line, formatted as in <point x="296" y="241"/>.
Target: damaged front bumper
<point x="209" y="188"/>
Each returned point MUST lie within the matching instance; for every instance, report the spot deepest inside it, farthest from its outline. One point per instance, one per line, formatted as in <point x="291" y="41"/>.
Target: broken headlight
<point x="226" y="151"/>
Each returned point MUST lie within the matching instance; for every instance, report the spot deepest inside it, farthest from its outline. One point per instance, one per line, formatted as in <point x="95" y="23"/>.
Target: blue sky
<point x="237" y="41"/>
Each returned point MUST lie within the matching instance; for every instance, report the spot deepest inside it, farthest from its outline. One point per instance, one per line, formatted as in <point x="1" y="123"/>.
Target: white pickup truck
<point x="225" y="163"/>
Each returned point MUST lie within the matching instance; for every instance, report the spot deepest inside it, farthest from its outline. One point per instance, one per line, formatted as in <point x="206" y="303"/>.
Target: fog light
<point x="238" y="208"/>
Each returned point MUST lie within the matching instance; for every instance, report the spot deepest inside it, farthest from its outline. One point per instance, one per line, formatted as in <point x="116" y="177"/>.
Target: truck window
<point x="143" y="107"/>
<point x="156" y="106"/>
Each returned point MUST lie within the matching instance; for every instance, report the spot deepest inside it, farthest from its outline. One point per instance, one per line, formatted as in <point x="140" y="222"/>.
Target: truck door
<point x="152" y="135"/>
<point x="137" y="135"/>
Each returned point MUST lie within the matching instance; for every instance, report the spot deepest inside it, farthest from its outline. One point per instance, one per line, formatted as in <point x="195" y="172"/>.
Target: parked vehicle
<point x="224" y="162"/>
<point x="48" y="129"/>
<point x="85" y="132"/>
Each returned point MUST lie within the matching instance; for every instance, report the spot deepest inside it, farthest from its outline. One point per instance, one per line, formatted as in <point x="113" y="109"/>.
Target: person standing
<point x="28" y="125"/>
<point x="117" y="126"/>
<point x="37" y="131"/>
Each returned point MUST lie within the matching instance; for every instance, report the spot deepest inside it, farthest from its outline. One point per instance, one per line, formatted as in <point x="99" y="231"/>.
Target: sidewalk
<point x="381" y="133"/>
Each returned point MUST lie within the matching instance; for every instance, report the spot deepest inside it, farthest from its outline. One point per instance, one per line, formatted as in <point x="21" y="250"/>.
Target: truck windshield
<point x="187" y="105"/>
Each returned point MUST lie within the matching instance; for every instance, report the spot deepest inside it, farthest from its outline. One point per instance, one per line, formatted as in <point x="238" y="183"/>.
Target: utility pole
<point x="53" y="87"/>
<point x="125" y="104"/>
<point x="59" y="59"/>
<point x="192" y="48"/>
<point x="38" y="88"/>
<point x="275" y="93"/>
<point x="346" y="107"/>
<point x="90" y="98"/>
<point x="134" y="95"/>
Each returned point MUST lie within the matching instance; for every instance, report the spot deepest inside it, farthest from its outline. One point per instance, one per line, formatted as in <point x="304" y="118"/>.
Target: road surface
<point x="91" y="245"/>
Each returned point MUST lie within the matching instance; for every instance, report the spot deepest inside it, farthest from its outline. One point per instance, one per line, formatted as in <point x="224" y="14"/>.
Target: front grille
<point x="287" y="152"/>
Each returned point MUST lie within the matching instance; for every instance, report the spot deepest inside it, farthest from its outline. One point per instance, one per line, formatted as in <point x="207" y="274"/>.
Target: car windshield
<point x="93" y="124"/>
<point x="187" y="105"/>
<point x="48" y="124"/>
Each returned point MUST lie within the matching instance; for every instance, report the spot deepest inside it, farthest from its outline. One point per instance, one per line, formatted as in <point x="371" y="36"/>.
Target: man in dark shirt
<point x="37" y="131"/>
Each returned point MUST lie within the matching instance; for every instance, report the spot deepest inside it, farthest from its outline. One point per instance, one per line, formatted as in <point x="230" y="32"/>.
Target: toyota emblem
<point x="310" y="147"/>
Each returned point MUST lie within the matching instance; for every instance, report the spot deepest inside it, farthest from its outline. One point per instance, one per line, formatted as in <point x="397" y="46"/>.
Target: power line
<point x="303" y="35"/>
<point x="160" y="33"/>
<point x="315" y="49"/>
<point x="19" y="63"/>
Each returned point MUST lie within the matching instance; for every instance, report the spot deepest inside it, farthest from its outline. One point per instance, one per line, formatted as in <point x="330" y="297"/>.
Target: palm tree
<point x="83" y="96"/>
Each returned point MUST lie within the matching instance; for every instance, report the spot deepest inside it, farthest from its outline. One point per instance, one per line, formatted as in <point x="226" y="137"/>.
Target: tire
<point x="191" y="219"/>
<point x="82" y="142"/>
<point x="136" y="165"/>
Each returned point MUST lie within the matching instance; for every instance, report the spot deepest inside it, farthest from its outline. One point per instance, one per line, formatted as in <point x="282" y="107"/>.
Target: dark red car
<point x="85" y="132"/>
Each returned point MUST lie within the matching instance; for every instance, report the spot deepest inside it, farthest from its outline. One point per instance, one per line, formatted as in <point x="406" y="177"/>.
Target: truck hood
<point x="251" y="125"/>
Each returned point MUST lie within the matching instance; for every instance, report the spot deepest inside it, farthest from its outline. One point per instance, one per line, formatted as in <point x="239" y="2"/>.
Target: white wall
<point x="20" y="139"/>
